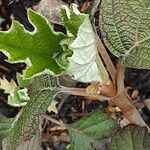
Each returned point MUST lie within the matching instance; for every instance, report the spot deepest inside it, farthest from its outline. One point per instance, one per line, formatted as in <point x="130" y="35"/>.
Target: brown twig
<point x="108" y="62"/>
<point x="4" y="69"/>
<point x="55" y="121"/>
<point x="124" y="102"/>
<point x="82" y="92"/>
<point x="94" y="8"/>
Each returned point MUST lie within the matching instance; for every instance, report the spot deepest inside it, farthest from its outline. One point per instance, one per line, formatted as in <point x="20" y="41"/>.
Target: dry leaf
<point x="53" y="107"/>
<point x="50" y="9"/>
<point x="8" y="86"/>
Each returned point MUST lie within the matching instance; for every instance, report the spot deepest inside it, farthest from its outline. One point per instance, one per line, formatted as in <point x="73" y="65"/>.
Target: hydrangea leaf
<point x="89" y="129"/>
<point x="72" y="18"/>
<point x="43" y="90"/>
<point x="130" y="138"/>
<point x="41" y="46"/>
<point x="125" y="27"/>
<point x="63" y="59"/>
<point x="23" y="83"/>
<point x="84" y="65"/>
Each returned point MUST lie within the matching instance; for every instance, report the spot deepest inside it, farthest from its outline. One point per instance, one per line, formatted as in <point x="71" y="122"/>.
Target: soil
<point x="74" y="107"/>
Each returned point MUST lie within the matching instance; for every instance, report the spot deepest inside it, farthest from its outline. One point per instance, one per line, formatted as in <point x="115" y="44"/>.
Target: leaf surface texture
<point x="89" y="129"/>
<point x="130" y="138"/>
<point x="84" y="64"/>
<point x="125" y="26"/>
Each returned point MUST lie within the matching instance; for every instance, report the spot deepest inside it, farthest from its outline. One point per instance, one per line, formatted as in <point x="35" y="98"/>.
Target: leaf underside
<point x="40" y="46"/>
<point x="125" y="26"/>
<point x="89" y="129"/>
<point x="130" y="138"/>
<point x="85" y="64"/>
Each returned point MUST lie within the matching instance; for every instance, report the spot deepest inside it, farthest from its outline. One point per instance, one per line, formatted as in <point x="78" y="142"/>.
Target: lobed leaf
<point x="41" y="46"/>
<point x="125" y="26"/>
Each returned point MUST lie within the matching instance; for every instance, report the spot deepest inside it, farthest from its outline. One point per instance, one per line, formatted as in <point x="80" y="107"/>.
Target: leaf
<point x="50" y="9"/>
<point x="8" y="86"/>
<point x="72" y="18"/>
<point x="63" y="59"/>
<point x="5" y="125"/>
<point x="125" y="28"/>
<point x="41" y="46"/>
<point x="34" y="143"/>
<point x="23" y="83"/>
<point x="52" y="107"/>
<point x="130" y="138"/>
<point x="85" y="64"/>
<point x="18" y="98"/>
<point x="43" y="90"/>
<point x="95" y="126"/>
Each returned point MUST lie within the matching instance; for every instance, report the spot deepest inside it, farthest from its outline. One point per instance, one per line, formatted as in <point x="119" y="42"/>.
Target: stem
<point x="82" y="92"/>
<point x="108" y="62"/>
<point x="4" y="69"/>
<point x="94" y="8"/>
<point x="55" y="121"/>
<point x="123" y="101"/>
<point x="129" y="111"/>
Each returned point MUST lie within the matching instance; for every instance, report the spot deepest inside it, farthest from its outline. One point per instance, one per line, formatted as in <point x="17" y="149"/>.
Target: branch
<point x="94" y="8"/>
<point x="82" y="92"/>
<point x="108" y="62"/>
<point x="124" y="102"/>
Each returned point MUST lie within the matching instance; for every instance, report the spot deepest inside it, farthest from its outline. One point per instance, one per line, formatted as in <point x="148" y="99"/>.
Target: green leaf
<point x="18" y="98"/>
<point x="72" y="18"/>
<point x="41" y="46"/>
<point x="85" y="64"/>
<point x="5" y="125"/>
<point x="63" y="59"/>
<point x="95" y="126"/>
<point x="130" y="138"/>
<point x="23" y="83"/>
<point x="125" y="28"/>
<point x="43" y="90"/>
